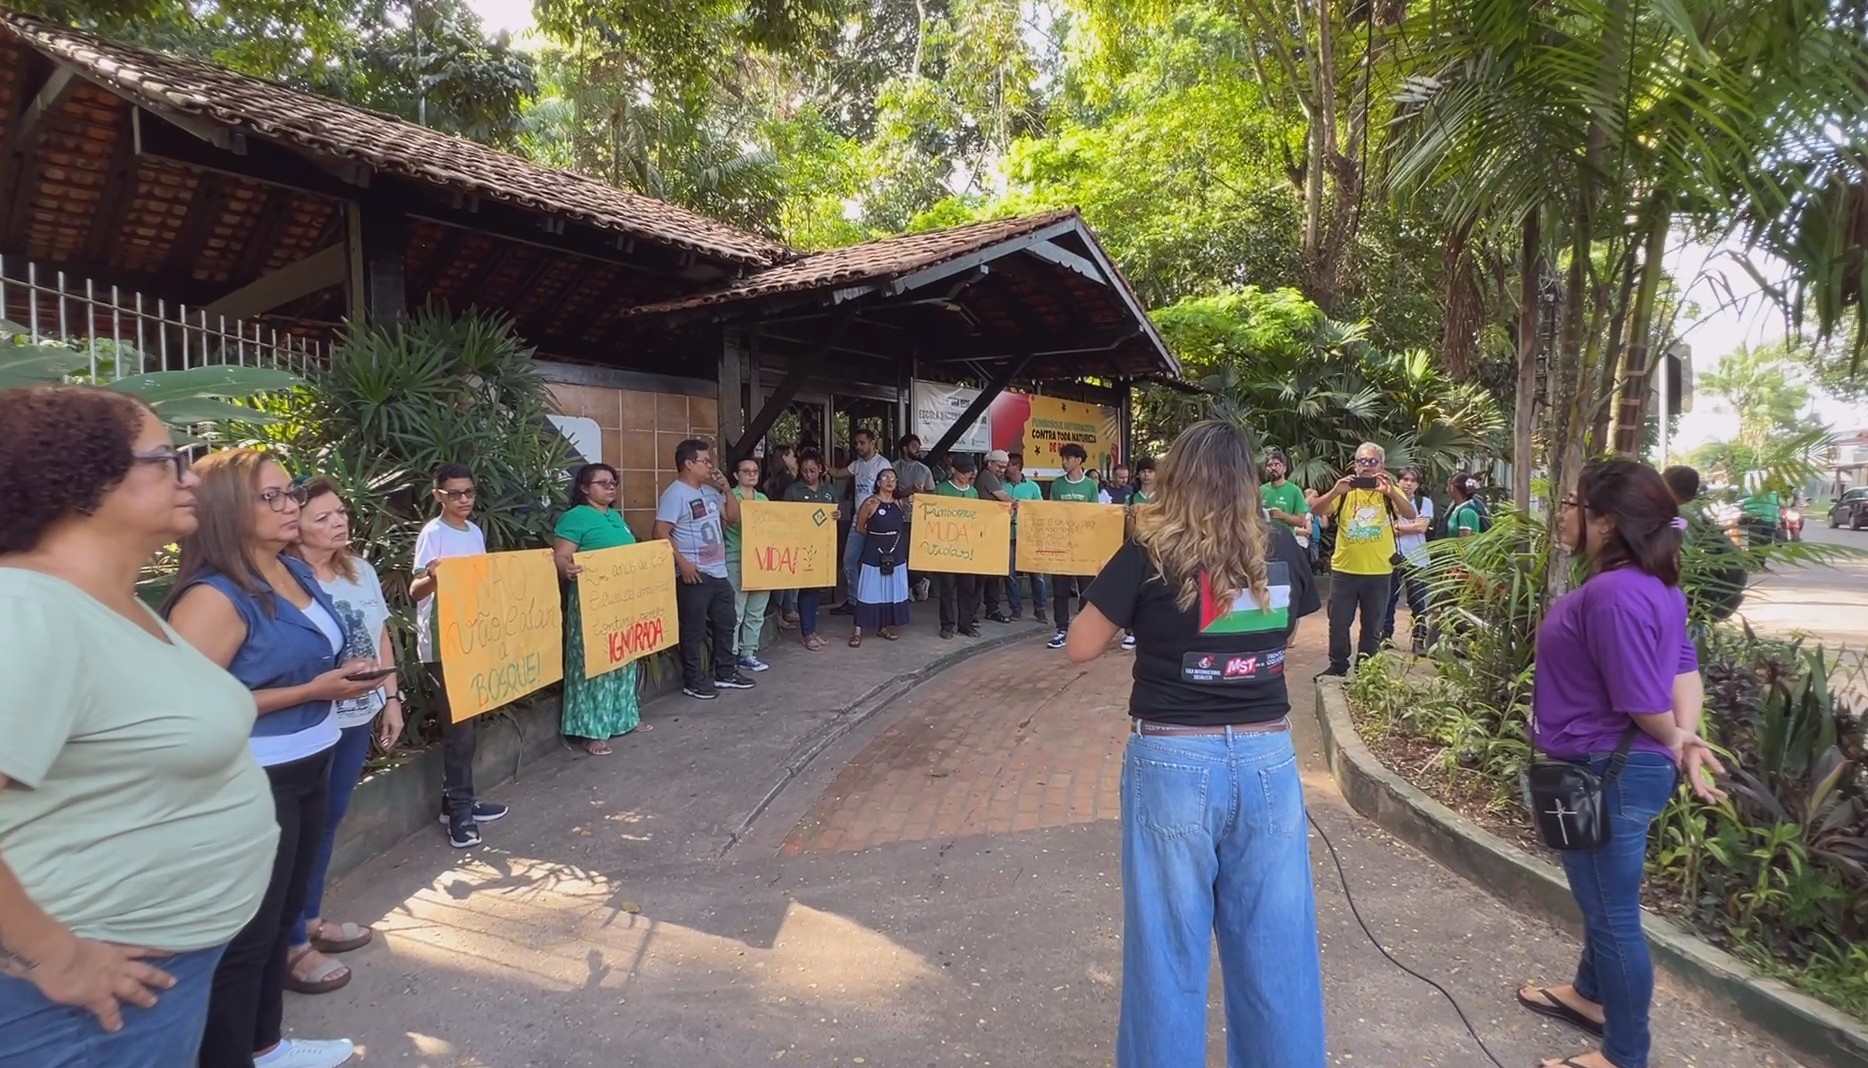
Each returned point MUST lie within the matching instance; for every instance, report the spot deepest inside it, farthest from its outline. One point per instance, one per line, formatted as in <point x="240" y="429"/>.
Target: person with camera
<point x="1364" y="505"/>
<point x="882" y="577"/>
<point x="1617" y="694"/>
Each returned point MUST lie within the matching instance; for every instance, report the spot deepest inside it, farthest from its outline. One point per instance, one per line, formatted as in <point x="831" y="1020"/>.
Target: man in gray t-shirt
<point x="690" y="515"/>
<point x="912" y="476"/>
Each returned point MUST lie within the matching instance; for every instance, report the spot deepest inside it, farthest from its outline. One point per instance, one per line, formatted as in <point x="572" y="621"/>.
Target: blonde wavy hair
<point x="1206" y="517"/>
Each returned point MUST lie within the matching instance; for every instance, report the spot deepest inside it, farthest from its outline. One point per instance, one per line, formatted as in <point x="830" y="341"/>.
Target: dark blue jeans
<point x="353" y="748"/>
<point x="807" y="612"/>
<point x="1616" y="971"/>
<point x="44" y="1034"/>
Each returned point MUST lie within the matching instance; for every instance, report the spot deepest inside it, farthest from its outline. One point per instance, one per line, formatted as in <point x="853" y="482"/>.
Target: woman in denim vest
<point x="1213" y="840"/>
<point x="262" y="615"/>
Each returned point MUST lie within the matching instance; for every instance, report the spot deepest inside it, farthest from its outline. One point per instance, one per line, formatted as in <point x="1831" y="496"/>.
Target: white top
<point x="275" y="749"/>
<point x="1414" y="546"/>
<point x="363" y="610"/>
<point x="864" y="473"/>
<point x="438" y="541"/>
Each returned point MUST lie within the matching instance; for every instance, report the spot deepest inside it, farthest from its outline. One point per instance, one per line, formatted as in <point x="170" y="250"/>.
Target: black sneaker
<point x="699" y="694"/>
<point x="971" y="630"/>
<point x="999" y="617"/>
<point x="946" y="632"/>
<point x="1056" y="642"/>
<point x="483" y="812"/>
<point x="737" y="682"/>
<point x="1333" y="673"/>
<point x="463" y="832"/>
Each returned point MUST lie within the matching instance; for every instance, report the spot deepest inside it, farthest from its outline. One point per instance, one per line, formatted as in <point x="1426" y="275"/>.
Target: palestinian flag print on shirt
<point x="1245" y="615"/>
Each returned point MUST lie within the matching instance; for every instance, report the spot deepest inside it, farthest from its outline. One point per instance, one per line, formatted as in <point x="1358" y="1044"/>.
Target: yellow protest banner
<point x="961" y="536"/>
<point x="787" y="545"/>
<point x="499" y="626"/>
<point x="1067" y="537"/>
<point x="626" y="603"/>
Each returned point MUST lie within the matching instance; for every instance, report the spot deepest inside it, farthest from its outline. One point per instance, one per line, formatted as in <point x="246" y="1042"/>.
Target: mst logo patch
<point x="1222" y="668"/>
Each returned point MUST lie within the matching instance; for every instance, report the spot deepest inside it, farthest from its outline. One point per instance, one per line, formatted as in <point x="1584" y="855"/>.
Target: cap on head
<point x="998" y="456"/>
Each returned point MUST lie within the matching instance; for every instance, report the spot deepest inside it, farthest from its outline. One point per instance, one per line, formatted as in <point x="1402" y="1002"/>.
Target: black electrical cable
<point x="1343" y="878"/>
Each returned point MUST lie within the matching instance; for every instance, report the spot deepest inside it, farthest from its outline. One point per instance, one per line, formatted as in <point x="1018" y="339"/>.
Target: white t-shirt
<point x="363" y="610"/>
<point x="1414" y="546"/>
<point x="272" y="750"/>
<point x="864" y="473"/>
<point x="438" y="541"/>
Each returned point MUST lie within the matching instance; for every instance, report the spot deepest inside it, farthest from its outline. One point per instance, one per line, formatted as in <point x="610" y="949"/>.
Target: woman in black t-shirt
<point x="1213" y="835"/>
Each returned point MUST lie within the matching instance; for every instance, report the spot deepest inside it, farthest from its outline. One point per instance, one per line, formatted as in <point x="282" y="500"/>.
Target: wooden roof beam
<point x="321" y="270"/>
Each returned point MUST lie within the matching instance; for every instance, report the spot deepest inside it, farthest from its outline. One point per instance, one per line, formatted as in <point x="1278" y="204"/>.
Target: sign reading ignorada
<point x="626" y="597"/>
<point x="500" y="628"/>
<point x="961" y="536"/>
<point x="1067" y="537"/>
<point x="787" y="545"/>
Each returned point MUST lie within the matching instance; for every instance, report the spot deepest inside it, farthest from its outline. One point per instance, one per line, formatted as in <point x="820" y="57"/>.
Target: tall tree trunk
<point x="1637" y="363"/>
<point x="1530" y="309"/>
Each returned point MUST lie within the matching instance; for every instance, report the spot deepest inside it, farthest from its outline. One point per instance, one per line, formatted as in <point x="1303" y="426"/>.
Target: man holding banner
<point x="1074" y="486"/>
<point x="959" y="594"/>
<point x="690" y="515"/>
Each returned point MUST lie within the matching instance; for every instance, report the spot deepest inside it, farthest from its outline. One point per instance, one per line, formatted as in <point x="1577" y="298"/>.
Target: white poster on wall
<point x="938" y="406"/>
<point x="585" y="436"/>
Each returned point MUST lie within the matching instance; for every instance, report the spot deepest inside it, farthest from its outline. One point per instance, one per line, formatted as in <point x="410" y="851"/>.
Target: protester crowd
<point x="171" y="782"/>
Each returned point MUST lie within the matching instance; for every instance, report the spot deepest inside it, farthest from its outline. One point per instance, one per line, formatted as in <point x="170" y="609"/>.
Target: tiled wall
<point x="640" y="432"/>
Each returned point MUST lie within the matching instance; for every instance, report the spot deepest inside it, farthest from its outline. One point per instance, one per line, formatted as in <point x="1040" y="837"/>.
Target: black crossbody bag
<point x="1568" y="801"/>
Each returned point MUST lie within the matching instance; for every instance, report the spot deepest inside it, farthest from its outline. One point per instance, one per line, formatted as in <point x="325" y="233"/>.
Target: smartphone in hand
<point x="371" y="675"/>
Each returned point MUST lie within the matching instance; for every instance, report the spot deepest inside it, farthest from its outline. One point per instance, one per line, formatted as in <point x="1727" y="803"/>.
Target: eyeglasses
<point x="164" y="456"/>
<point x="275" y="498"/>
<point x="1570" y="502"/>
<point x="606" y="483"/>
<point x="466" y="494"/>
<point x="1368" y="461"/>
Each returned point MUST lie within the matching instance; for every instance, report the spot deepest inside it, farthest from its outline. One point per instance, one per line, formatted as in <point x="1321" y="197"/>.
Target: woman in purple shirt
<point x="1613" y="657"/>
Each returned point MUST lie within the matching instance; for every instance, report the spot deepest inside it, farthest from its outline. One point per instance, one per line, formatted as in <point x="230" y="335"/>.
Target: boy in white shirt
<point x="449" y="534"/>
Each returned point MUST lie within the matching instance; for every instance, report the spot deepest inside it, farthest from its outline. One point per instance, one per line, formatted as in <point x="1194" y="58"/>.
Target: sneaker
<point x="1018" y="613"/>
<point x="699" y="694"/>
<point x="1056" y="642"/>
<point x="1128" y="643"/>
<point x="307" y="1053"/>
<point x="737" y="682"/>
<point x="922" y="587"/>
<point x="752" y="663"/>
<point x="463" y="833"/>
<point x="1038" y="614"/>
<point x="1333" y="673"/>
<point x="483" y="812"/>
<point x="971" y="630"/>
<point x="946" y="632"/>
<point x="998" y="617"/>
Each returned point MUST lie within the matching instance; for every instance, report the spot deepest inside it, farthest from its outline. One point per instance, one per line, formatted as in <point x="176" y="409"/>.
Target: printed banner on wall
<point x="1068" y="537"/>
<point x="938" y="406"/>
<point x="787" y="545"/>
<point x="961" y="536"/>
<point x="626" y="598"/>
<point x="500" y="628"/>
<point x="1039" y="426"/>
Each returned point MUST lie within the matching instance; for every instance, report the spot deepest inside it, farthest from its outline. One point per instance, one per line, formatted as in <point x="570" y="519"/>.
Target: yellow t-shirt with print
<point x="1365" y="534"/>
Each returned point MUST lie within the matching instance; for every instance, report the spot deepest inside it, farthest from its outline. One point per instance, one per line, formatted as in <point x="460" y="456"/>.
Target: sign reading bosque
<point x="500" y="628"/>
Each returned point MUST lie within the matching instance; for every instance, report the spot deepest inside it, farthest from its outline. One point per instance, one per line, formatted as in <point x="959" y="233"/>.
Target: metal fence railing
<point x="126" y="332"/>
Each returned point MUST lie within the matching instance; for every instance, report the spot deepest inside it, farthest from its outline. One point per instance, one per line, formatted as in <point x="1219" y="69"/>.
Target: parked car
<point x="1851" y="510"/>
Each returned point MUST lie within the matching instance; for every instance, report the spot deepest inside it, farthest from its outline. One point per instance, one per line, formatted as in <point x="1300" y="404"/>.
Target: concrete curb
<point x="858" y="712"/>
<point x="1528" y="884"/>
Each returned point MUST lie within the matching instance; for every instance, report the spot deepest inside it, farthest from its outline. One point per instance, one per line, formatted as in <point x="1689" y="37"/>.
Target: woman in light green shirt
<point x="748" y="605"/>
<point x="595" y="710"/>
<point x="136" y="827"/>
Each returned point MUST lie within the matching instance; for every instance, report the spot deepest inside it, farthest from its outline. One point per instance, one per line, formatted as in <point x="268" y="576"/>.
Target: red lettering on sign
<point x="774" y="558"/>
<point x="634" y="639"/>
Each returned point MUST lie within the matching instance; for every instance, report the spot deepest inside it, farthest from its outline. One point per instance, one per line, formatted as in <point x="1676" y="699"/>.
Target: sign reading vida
<point x="961" y="536"/>
<point x="787" y="545"/>
<point x="500" y="628"/>
<point x="626" y="597"/>
<point x="1067" y="537"/>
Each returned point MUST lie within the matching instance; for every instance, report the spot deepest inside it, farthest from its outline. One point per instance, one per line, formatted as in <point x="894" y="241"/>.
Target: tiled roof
<point x="884" y="258"/>
<point x="326" y="127"/>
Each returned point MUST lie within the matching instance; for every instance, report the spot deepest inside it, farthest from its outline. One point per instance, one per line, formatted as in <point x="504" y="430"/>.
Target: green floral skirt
<point x="600" y="708"/>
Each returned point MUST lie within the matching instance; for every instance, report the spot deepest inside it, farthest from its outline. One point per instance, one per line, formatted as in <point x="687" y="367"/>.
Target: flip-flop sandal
<point x="856" y="641"/>
<point x="1571" y="1062"/>
<point x="595" y="747"/>
<point x="889" y="636"/>
<point x="349" y="936"/>
<point x="328" y="977"/>
<point x="1557" y="1010"/>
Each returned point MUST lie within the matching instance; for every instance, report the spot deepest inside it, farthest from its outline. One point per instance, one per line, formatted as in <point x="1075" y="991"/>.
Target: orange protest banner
<point x="626" y="601"/>
<point x="499" y="627"/>
<point x="961" y="536"/>
<point x="1067" y="537"/>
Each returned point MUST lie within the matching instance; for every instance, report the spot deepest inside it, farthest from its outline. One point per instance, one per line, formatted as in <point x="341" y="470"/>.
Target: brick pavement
<point x="967" y="756"/>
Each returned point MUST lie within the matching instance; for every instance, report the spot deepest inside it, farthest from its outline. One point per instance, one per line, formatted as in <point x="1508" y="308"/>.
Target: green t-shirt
<point x="591" y="528"/>
<point x="1463" y="519"/>
<point x="1023" y="490"/>
<point x="1140" y="497"/>
<point x="1285" y="497"/>
<point x="948" y="489"/>
<point x="134" y="811"/>
<point x="733" y="532"/>
<point x="1765" y="506"/>
<point x="823" y="494"/>
<point x="1083" y="489"/>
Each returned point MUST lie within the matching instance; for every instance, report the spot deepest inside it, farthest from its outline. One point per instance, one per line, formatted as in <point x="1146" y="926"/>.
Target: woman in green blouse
<point x="595" y="710"/>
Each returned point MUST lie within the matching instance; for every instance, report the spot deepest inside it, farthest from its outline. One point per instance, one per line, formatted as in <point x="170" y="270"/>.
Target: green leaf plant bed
<point x="1760" y="900"/>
